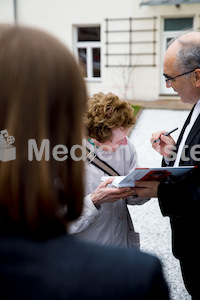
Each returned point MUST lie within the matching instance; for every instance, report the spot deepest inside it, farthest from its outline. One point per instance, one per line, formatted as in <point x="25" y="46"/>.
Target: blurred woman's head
<point x="42" y="96"/>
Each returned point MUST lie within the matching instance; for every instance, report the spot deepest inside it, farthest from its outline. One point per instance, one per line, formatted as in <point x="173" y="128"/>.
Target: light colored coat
<point x="111" y="223"/>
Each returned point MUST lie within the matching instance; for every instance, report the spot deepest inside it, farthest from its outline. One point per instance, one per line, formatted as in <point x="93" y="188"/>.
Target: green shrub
<point x="136" y="109"/>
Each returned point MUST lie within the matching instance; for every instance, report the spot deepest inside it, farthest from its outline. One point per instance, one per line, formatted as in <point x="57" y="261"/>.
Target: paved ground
<point x="153" y="227"/>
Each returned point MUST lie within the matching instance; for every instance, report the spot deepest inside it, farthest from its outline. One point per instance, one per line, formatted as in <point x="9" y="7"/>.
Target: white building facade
<point x="119" y="44"/>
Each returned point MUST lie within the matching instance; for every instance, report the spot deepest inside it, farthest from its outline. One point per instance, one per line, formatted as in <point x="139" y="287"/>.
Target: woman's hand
<point x="104" y="194"/>
<point x="165" y="145"/>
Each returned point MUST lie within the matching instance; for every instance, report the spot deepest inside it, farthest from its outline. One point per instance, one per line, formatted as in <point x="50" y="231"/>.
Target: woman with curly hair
<point x="105" y="218"/>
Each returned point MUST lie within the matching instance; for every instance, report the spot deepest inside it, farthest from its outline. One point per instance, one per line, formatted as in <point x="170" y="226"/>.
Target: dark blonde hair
<point x="105" y="112"/>
<point x="42" y="96"/>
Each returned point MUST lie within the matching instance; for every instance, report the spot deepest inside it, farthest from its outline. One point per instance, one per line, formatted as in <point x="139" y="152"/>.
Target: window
<point x="88" y="51"/>
<point x="176" y="24"/>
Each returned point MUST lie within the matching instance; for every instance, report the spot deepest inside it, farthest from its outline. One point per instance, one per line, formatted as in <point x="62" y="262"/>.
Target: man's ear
<point x="197" y="75"/>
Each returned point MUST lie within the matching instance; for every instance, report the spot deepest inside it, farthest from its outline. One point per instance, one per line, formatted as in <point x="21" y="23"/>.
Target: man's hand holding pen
<point x="163" y="143"/>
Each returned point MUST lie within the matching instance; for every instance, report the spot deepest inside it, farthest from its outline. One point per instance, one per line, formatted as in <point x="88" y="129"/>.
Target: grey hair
<point x="188" y="57"/>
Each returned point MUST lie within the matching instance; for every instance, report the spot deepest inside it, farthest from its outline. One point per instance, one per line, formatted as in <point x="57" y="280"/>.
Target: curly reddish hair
<point x="105" y="112"/>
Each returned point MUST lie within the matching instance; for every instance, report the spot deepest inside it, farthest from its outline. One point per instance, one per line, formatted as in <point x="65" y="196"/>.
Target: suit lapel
<point x="195" y="129"/>
<point x="183" y="129"/>
<point x="171" y="163"/>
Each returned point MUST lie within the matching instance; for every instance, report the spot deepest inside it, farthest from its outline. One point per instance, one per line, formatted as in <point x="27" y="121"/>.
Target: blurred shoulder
<point x="124" y="258"/>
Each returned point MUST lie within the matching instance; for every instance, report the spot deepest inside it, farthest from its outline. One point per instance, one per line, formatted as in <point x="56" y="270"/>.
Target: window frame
<point x="88" y="45"/>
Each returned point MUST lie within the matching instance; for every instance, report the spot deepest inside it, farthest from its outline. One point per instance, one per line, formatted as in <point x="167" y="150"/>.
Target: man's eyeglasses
<point x="169" y="79"/>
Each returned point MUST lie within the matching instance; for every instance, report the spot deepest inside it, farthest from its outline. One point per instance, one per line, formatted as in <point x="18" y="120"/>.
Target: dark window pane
<point x="96" y="55"/>
<point x="86" y="34"/>
<point x="82" y="54"/>
<point x="175" y="24"/>
<point x="168" y="41"/>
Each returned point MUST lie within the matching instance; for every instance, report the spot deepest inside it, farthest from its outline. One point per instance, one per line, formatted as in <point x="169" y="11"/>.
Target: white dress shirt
<point x="193" y="118"/>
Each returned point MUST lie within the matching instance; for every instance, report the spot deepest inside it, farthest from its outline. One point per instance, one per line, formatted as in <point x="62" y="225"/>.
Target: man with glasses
<point x="169" y="79"/>
<point x="179" y="199"/>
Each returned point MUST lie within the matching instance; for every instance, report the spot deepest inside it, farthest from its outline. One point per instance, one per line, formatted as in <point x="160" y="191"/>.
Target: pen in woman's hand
<point x="166" y="134"/>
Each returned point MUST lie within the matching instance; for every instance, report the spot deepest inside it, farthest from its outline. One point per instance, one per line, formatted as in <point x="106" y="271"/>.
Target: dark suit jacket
<point x="66" y="268"/>
<point x="181" y="200"/>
